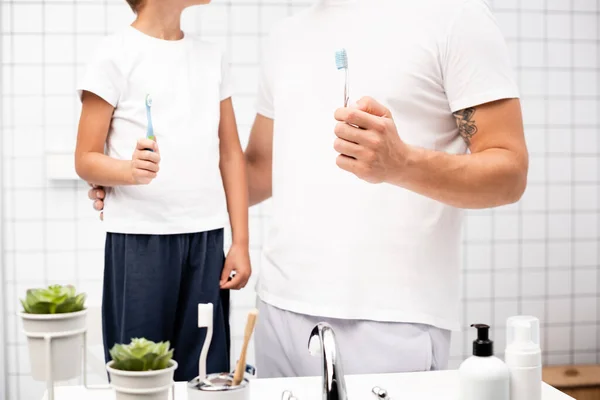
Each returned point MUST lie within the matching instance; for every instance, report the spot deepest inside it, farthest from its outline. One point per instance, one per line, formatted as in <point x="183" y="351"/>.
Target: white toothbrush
<point x="205" y="320"/>
<point x="341" y="62"/>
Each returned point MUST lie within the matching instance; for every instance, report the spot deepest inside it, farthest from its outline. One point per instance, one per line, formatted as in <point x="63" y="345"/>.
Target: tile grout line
<point x="252" y="94"/>
<point x="573" y="186"/>
<point x="544" y="324"/>
<point x="17" y="389"/>
<point x="3" y="301"/>
<point x="598" y="190"/>
<point x="253" y="64"/>
<point x="76" y="192"/>
<point x="45" y="146"/>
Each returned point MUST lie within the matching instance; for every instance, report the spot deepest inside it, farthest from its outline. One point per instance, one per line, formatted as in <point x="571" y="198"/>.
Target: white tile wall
<point x="539" y="256"/>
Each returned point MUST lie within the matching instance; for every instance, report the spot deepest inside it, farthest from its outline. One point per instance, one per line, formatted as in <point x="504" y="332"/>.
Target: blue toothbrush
<point x="150" y="130"/>
<point x="341" y="62"/>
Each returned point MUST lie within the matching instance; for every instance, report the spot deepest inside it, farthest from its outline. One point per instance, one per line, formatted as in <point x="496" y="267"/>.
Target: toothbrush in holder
<point x="241" y="364"/>
<point x="150" y="128"/>
<point x="205" y="320"/>
<point x="341" y="62"/>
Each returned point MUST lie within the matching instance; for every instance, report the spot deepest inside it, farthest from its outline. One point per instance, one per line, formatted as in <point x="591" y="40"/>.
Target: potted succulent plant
<point x="142" y="369"/>
<point x="54" y="319"/>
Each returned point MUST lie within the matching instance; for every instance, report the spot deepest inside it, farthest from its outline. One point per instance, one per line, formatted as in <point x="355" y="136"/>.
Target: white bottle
<point x="524" y="358"/>
<point x="483" y="376"/>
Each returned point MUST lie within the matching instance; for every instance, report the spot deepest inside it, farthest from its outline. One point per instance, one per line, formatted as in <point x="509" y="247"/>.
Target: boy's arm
<point x="233" y="172"/>
<point x="235" y="182"/>
<point x="259" y="159"/>
<point x="93" y="166"/>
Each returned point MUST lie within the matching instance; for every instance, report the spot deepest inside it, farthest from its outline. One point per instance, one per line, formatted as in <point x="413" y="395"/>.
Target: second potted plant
<point x="142" y="370"/>
<point x="54" y="320"/>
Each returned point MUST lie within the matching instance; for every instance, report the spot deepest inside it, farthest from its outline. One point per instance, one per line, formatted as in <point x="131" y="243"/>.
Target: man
<point x="365" y="228"/>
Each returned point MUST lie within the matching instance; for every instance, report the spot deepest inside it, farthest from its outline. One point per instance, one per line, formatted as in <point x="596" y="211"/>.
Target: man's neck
<point x="159" y="20"/>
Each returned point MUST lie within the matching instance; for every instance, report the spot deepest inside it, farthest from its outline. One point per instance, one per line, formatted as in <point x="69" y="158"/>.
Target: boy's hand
<point x="144" y="163"/>
<point x="238" y="260"/>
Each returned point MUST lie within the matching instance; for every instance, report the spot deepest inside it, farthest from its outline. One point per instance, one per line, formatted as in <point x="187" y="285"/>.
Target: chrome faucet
<point x="322" y="341"/>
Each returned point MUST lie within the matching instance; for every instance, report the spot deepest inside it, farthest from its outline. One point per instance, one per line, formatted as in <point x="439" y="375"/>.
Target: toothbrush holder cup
<point x="218" y="387"/>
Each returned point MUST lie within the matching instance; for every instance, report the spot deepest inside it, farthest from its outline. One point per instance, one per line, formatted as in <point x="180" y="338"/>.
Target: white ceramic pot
<point x="63" y="333"/>
<point x="147" y="385"/>
<point x="218" y="387"/>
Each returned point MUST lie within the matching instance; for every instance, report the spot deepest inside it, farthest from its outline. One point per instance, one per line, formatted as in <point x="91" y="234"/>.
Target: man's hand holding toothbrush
<point x="367" y="138"/>
<point x="492" y="173"/>
<point x="368" y="142"/>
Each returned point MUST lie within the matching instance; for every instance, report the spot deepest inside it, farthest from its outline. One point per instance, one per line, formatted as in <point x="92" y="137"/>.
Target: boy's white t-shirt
<point x="340" y="247"/>
<point x="186" y="79"/>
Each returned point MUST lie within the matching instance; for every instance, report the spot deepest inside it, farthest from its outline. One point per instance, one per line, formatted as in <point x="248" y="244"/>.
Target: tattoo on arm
<point x="466" y="124"/>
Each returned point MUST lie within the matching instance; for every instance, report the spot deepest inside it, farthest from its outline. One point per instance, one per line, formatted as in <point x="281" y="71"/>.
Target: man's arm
<point x="494" y="174"/>
<point x="259" y="160"/>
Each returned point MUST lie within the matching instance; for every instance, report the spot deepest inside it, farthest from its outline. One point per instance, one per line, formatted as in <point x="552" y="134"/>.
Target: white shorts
<point x="366" y="347"/>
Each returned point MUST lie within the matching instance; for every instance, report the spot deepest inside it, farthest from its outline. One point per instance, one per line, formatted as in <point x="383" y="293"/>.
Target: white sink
<point x="409" y="386"/>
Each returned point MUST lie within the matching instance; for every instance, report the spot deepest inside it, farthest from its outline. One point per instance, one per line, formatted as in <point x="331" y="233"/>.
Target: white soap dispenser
<point x="483" y="376"/>
<point x="523" y="357"/>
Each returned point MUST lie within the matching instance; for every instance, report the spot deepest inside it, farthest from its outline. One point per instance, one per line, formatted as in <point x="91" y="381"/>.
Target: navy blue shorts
<point x="152" y="287"/>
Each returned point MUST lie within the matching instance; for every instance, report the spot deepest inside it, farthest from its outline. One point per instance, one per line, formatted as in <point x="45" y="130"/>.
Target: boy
<point x="164" y="243"/>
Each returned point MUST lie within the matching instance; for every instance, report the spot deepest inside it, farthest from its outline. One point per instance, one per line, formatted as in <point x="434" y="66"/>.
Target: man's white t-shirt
<point x="186" y="79"/>
<point x="340" y="247"/>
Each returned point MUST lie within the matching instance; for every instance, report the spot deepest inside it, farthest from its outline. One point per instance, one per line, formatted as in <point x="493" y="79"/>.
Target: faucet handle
<point x="288" y="395"/>
<point x="381" y="393"/>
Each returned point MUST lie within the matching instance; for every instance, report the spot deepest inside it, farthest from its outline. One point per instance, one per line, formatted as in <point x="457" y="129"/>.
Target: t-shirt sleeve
<point x="264" y="101"/>
<point x="102" y="76"/>
<point x="475" y="59"/>
<point x="226" y="84"/>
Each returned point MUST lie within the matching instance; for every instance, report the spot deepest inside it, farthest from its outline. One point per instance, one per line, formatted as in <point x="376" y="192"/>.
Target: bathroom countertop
<point x="413" y="386"/>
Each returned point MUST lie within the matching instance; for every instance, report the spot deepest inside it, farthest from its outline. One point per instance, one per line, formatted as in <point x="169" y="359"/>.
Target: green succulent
<point x="141" y="355"/>
<point x="56" y="299"/>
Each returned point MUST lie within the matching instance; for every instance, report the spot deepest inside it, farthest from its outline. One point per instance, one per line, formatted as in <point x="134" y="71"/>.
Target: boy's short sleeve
<point x="475" y="59"/>
<point x="264" y="102"/>
<point x="102" y="76"/>
<point x="226" y="84"/>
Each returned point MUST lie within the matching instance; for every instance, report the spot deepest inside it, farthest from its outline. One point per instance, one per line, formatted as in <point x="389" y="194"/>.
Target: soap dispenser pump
<point x="483" y="376"/>
<point x="523" y="356"/>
